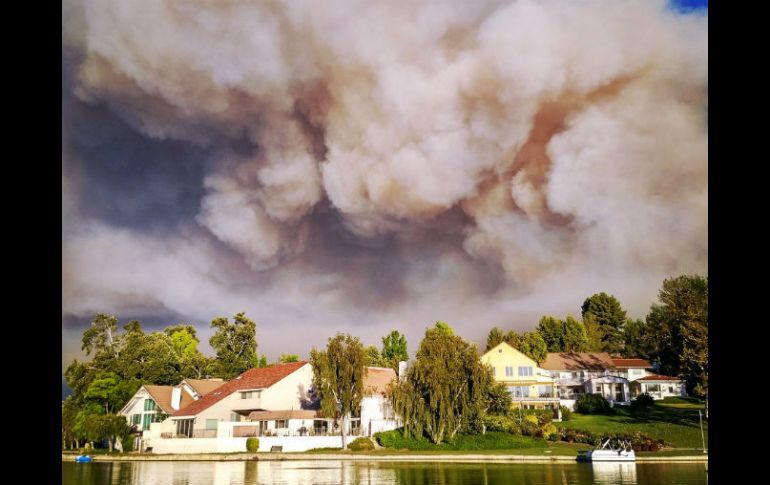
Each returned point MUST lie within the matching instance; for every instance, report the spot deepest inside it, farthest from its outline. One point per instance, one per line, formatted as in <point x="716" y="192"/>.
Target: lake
<point x="378" y="473"/>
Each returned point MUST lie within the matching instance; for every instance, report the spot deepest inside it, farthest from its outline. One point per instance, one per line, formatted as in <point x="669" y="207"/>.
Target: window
<point x="158" y="417"/>
<point x="493" y="372"/>
<point x="525" y="371"/>
<point x="149" y="405"/>
<point x="136" y="419"/>
<point x="653" y="387"/>
<point x="184" y="427"/>
<point x="280" y="423"/>
<point x="519" y="391"/>
<point x="246" y="395"/>
<point x="545" y="391"/>
<point x="146" y="421"/>
<point x="211" y="424"/>
<point x="509" y="371"/>
<point x="235" y="417"/>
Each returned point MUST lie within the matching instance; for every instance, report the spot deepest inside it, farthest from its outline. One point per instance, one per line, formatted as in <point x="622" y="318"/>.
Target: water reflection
<point x="378" y="473"/>
<point x="614" y="473"/>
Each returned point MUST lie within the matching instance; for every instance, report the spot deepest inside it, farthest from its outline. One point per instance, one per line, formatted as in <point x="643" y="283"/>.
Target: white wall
<point x="229" y="445"/>
<point x="377" y="415"/>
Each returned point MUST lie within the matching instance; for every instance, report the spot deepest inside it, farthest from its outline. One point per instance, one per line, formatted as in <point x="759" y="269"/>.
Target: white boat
<point x="619" y="450"/>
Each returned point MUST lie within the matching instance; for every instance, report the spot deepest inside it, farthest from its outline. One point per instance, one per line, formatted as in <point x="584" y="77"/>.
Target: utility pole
<point x="703" y="439"/>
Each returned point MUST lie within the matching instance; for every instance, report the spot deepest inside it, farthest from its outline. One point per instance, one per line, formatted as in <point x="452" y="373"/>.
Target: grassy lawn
<point x="531" y="447"/>
<point x="675" y="420"/>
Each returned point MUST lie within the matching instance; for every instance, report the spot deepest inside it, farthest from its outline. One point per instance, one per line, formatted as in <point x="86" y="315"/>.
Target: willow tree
<point x="445" y="390"/>
<point x="338" y="376"/>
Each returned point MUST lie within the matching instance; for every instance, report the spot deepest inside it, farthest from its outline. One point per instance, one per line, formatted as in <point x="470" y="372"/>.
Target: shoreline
<point x="465" y="458"/>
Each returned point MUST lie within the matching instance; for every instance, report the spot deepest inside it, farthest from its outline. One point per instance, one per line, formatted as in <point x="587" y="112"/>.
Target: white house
<point x="632" y="369"/>
<point x="659" y="386"/>
<point x="586" y="372"/>
<point x="153" y="404"/>
<point x="376" y="410"/>
<point x="282" y="387"/>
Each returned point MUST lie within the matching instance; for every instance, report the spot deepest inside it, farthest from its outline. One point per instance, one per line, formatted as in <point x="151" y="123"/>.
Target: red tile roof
<point x="377" y="380"/>
<point x="625" y="363"/>
<point x="595" y="361"/>
<point x="657" y="377"/>
<point x="257" y="378"/>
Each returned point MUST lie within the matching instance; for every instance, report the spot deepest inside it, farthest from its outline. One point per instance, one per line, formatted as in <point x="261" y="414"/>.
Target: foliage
<point x="361" y="444"/>
<point x="499" y="399"/>
<point x="373" y="358"/>
<point x="445" y="390"/>
<point x="110" y="391"/>
<point x="494" y="338"/>
<point x="96" y="427"/>
<point x="642" y="404"/>
<point x="444" y="328"/>
<point x="566" y="413"/>
<point x="677" y="331"/>
<point x="288" y="358"/>
<point x="533" y="346"/>
<point x="492" y="440"/>
<point x="503" y="423"/>
<point x="552" y="331"/>
<point x="235" y="345"/>
<point x="635" y="345"/>
<point x="575" y="336"/>
<point x="605" y="312"/>
<point x="592" y="404"/>
<point x="252" y="444"/>
<point x="338" y="376"/>
<point x="394" y="349"/>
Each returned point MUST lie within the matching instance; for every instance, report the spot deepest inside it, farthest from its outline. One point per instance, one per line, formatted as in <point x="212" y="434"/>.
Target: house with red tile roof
<point x="281" y="387"/>
<point x="632" y="369"/>
<point x="659" y="386"/>
<point x="153" y="404"/>
<point x="376" y="410"/>
<point x="586" y="373"/>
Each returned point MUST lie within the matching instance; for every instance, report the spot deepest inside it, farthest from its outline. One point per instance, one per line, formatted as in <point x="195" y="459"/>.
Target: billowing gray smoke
<point x="377" y="165"/>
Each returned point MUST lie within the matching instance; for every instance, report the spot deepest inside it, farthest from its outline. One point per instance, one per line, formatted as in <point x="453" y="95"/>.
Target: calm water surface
<point x="378" y="473"/>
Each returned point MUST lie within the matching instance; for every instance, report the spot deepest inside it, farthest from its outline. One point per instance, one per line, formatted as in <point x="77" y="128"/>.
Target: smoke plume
<point x="362" y="166"/>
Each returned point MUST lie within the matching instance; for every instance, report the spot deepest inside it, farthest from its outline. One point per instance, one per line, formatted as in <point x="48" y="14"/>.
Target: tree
<point x="552" y="331"/>
<point x="533" y="346"/>
<point x="338" y="376"/>
<point x="677" y="331"/>
<point x="110" y="391"/>
<point x="635" y="341"/>
<point x="101" y="335"/>
<point x="575" y="338"/>
<point x="444" y="328"/>
<point x="394" y="349"/>
<point x="445" y="390"/>
<point x="499" y="399"/>
<point x="184" y="340"/>
<point x="605" y="312"/>
<point x="494" y="338"/>
<point x="235" y="345"/>
<point x="513" y="339"/>
<point x="373" y="358"/>
<point x="69" y="411"/>
<point x="287" y="358"/>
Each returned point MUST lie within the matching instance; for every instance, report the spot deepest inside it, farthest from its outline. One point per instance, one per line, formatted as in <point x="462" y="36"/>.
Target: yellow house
<point x="529" y="385"/>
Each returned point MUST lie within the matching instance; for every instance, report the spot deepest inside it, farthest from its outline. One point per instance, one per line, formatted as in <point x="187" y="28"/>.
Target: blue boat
<point x="83" y="459"/>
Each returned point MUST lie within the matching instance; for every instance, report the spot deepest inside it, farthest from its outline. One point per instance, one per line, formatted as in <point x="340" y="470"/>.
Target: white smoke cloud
<point x="568" y="138"/>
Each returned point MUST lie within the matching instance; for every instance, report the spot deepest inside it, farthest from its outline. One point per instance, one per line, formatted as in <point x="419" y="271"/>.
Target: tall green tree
<point x="338" y="376"/>
<point x="373" y="358"/>
<point x="635" y="341"/>
<point x="552" y="331"/>
<point x="494" y="338"/>
<point x="101" y="336"/>
<point x="445" y="390"/>
<point x="677" y="330"/>
<point x="394" y="349"/>
<point x="575" y="337"/>
<point x="604" y="311"/>
<point x="287" y="358"/>
<point x="443" y="327"/>
<point x="533" y="346"/>
<point x="235" y="344"/>
<point x="110" y="391"/>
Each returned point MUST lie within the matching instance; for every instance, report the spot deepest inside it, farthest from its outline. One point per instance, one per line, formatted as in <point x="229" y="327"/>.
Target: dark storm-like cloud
<point x="341" y="169"/>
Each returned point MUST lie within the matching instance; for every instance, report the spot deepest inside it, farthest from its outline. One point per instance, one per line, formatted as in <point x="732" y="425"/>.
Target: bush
<point x="252" y="445"/>
<point x="592" y="404"/>
<point x="361" y="444"/>
<point x="642" y="401"/>
<point x="566" y="414"/>
<point x="504" y="424"/>
<point x="492" y="440"/>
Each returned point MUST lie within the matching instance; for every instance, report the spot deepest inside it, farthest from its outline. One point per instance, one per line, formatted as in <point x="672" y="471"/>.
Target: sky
<point x="370" y="167"/>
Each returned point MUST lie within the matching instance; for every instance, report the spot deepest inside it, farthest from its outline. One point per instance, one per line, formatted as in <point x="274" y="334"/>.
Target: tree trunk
<point x="343" y="430"/>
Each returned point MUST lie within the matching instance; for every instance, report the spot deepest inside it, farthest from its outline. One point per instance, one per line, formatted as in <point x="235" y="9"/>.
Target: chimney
<point x="401" y="369"/>
<point x="176" y="396"/>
